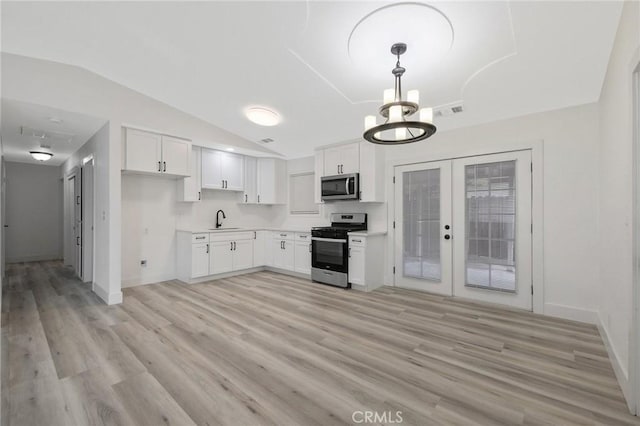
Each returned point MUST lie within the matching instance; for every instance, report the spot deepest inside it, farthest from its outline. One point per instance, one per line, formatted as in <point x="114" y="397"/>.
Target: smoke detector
<point x="46" y="134"/>
<point x="266" y="140"/>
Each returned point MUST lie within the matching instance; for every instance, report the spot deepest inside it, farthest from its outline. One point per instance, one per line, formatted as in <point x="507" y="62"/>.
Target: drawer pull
<point x="200" y="238"/>
<point x="356" y="241"/>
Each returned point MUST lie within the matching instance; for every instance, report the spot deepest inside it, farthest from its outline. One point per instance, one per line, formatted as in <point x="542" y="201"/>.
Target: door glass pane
<point x="421" y="224"/>
<point x="491" y="225"/>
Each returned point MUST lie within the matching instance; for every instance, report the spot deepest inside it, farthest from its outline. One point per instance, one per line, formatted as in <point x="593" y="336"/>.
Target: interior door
<point x="73" y="237"/>
<point x="492" y="228"/>
<point x="423" y="213"/>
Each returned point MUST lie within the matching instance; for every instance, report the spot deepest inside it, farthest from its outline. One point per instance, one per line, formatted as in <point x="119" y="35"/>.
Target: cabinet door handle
<point x="309" y="248"/>
<point x="159" y="166"/>
<point x="199" y="195"/>
<point x="349" y="251"/>
<point x="235" y="245"/>
<point x="258" y="198"/>
<point x="356" y="241"/>
<point x="231" y="246"/>
<point x="338" y="168"/>
<point x="164" y="163"/>
<point x="207" y="248"/>
<point x="245" y="198"/>
<point x="77" y="241"/>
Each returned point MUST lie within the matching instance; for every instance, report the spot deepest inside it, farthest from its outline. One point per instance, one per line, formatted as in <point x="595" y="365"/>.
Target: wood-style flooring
<point x="270" y="349"/>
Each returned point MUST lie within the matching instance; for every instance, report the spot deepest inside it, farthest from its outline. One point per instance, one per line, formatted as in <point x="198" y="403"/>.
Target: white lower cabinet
<point x="242" y="254"/>
<point x="282" y="247"/>
<point x="302" y="258"/>
<point x="259" y="249"/>
<point x="204" y="254"/>
<point x="366" y="261"/>
<point x="220" y="257"/>
<point x="200" y="260"/>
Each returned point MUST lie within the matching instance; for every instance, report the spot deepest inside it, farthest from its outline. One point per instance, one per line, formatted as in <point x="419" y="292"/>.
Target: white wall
<point x="616" y="192"/>
<point x="34" y="212"/>
<point x="570" y="162"/>
<point x="98" y="147"/>
<point x="75" y="89"/>
<point x="151" y="215"/>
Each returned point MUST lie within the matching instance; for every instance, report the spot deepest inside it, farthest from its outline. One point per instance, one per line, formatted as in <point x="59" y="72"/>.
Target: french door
<point x="463" y="228"/>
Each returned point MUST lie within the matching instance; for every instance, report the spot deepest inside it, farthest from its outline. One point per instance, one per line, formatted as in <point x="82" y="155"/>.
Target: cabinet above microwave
<point x="363" y="159"/>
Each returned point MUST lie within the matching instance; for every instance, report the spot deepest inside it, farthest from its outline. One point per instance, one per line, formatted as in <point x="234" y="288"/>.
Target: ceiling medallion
<point x="397" y="129"/>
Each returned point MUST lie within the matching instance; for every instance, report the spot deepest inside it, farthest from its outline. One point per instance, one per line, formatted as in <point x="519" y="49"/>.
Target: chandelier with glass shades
<point x="400" y="125"/>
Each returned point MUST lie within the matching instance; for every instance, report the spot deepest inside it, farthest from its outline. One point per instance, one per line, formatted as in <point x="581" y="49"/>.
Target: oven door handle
<point x="328" y="240"/>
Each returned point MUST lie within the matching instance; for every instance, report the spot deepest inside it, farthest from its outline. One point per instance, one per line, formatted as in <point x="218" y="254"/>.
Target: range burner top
<point x="341" y="224"/>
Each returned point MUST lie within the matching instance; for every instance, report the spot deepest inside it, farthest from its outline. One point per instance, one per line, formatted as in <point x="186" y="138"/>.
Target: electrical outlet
<point x="143" y="262"/>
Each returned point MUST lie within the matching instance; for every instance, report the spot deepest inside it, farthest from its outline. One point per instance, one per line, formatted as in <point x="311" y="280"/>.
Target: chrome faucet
<point x="218" y="222"/>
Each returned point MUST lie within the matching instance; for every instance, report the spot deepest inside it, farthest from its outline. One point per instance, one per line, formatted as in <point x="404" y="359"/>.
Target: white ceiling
<point x="16" y="147"/>
<point x="212" y="60"/>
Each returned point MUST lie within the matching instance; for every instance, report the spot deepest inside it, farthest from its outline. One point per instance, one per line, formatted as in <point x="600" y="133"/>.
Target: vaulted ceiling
<point x="323" y="65"/>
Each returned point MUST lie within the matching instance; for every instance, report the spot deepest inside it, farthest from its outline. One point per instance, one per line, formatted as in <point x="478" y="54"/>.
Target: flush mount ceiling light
<point x="262" y="116"/>
<point x="41" y="154"/>
<point x="398" y="127"/>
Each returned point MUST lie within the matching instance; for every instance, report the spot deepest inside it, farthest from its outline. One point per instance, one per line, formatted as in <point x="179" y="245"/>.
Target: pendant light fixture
<point x="399" y="127"/>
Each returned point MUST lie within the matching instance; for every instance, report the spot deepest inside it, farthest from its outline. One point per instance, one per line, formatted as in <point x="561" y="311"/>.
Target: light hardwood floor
<point x="270" y="349"/>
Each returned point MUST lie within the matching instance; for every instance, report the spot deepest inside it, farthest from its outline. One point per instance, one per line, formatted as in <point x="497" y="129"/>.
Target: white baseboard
<point x="619" y="369"/>
<point x="108" y="298"/>
<point x="571" y="313"/>
<point x="243" y="272"/>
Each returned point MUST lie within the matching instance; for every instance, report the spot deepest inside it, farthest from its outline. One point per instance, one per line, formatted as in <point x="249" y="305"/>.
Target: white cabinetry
<point x="342" y="159"/>
<point x="204" y="254"/>
<point x="200" y="260"/>
<point x="190" y="188"/>
<point x="260" y="249"/>
<point x="319" y="172"/>
<point x="302" y="258"/>
<point x="364" y="158"/>
<point x="283" y="250"/>
<point x="152" y="153"/>
<point x="220" y="257"/>
<point x="366" y="261"/>
<point x="265" y="181"/>
<point x="222" y="170"/>
<point x="250" y="195"/>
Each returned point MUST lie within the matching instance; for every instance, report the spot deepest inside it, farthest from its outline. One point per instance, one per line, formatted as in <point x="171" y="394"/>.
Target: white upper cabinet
<point x="250" y="195"/>
<point x="176" y="156"/>
<point x="190" y="188"/>
<point x="364" y="158"/>
<point x="272" y="181"/>
<point x="146" y="152"/>
<point x="143" y="151"/>
<point x="265" y="181"/>
<point x="222" y="170"/>
<point x="343" y="159"/>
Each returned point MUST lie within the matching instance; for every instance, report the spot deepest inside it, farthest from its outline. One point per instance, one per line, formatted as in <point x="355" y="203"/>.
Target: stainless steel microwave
<point x="341" y="187"/>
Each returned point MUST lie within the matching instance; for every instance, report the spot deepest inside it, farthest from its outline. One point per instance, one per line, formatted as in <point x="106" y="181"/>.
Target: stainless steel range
<point x="330" y="248"/>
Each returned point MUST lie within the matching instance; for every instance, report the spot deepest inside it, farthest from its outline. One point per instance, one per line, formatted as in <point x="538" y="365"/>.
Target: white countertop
<point x="367" y="233"/>
<point x="223" y="229"/>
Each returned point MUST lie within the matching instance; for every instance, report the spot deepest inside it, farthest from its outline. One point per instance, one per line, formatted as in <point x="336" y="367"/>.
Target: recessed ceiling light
<point x="262" y="116"/>
<point x="230" y="149"/>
